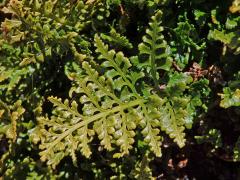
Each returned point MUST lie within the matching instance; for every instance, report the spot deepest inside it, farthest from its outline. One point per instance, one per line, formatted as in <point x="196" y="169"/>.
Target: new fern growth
<point x="111" y="106"/>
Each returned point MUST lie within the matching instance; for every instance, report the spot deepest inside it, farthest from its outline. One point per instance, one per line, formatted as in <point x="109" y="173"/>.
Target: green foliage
<point x="42" y="27"/>
<point x="230" y="98"/>
<point x="231" y="94"/>
<point x="9" y="117"/>
<point x="188" y="45"/>
<point x="28" y="169"/>
<point x="229" y="39"/>
<point x="142" y="170"/>
<point x="213" y="137"/>
<point x="155" y="48"/>
<point x="112" y="108"/>
<point x="228" y="34"/>
<point x="13" y="76"/>
<point x="117" y="40"/>
<point x="236" y="151"/>
<point x="109" y="89"/>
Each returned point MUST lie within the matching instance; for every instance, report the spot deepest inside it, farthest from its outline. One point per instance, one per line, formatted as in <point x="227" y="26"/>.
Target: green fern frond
<point x="99" y="13"/>
<point x="113" y="116"/>
<point x="154" y="49"/>
<point x="117" y="67"/>
<point x="172" y="122"/>
<point x="102" y="109"/>
<point x="8" y="118"/>
<point x="111" y="108"/>
<point x="11" y="77"/>
<point x="66" y="129"/>
<point x="117" y="39"/>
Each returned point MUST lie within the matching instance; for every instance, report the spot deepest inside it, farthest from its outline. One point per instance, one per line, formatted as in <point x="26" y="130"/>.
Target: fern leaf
<point x="154" y="48"/>
<point x="55" y="144"/>
<point x="111" y="108"/>
<point x="117" y="39"/>
<point x="171" y="125"/>
<point x="101" y="107"/>
<point x="113" y="118"/>
<point x="13" y="75"/>
<point x="57" y="138"/>
<point x="9" y="116"/>
<point x="119" y="67"/>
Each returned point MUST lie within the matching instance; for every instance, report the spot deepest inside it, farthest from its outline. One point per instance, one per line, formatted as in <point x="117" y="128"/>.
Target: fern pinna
<point x="111" y="106"/>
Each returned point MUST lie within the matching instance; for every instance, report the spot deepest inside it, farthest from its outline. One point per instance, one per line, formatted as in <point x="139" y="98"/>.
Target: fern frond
<point x="172" y="122"/>
<point x="102" y="108"/>
<point x="67" y="129"/>
<point x="111" y="108"/>
<point x="112" y="115"/>
<point x="154" y="48"/>
<point x="9" y="78"/>
<point x="117" y="39"/>
<point x="119" y="74"/>
<point x="8" y="118"/>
